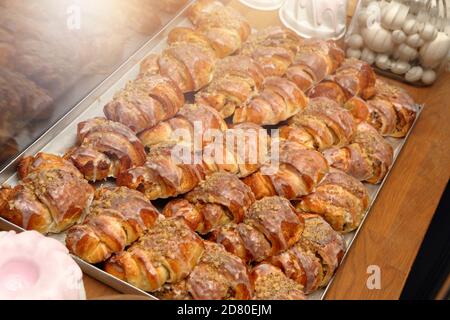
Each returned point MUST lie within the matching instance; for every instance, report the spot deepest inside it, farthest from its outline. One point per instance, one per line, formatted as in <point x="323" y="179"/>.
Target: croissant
<point x="189" y="65"/>
<point x="218" y="275"/>
<point x="340" y="199"/>
<point x="270" y="283"/>
<point x="368" y="158"/>
<point x="240" y="150"/>
<point x="274" y="48"/>
<point x="117" y="217"/>
<point x="105" y="149"/>
<point x="145" y="102"/>
<point x="352" y="78"/>
<point x="51" y="197"/>
<point x="391" y="111"/>
<point x="322" y="124"/>
<point x="167" y="253"/>
<point x="169" y="171"/>
<point x="296" y="173"/>
<point x="193" y="120"/>
<point x="279" y="100"/>
<point x="315" y="60"/>
<point x="220" y="199"/>
<point x="270" y="226"/>
<point x="224" y="27"/>
<point x="236" y="79"/>
<point x="313" y="260"/>
<point x="358" y="108"/>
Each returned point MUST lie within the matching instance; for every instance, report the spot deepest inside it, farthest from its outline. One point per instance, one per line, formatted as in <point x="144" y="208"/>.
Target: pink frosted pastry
<point x="33" y="267"/>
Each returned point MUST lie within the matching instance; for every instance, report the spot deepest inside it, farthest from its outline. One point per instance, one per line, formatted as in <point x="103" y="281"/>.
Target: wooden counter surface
<point x="393" y="232"/>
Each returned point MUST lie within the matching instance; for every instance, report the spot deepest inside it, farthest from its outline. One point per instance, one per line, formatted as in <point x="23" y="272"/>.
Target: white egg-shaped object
<point x="394" y="15"/>
<point x="355" y="41"/>
<point x="414" y="74"/>
<point x="353" y="53"/>
<point x="400" y="67"/>
<point x="434" y="52"/>
<point x="414" y="40"/>
<point x="409" y="25"/>
<point x="406" y="53"/>
<point x="383" y="62"/>
<point x="368" y="56"/>
<point x="398" y="36"/>
<point x="378" y="39"/>
<point x="429" y="32"/>
<point x="429" y="76"/>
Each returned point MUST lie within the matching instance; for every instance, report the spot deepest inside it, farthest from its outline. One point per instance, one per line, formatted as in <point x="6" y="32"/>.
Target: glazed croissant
<point x="270" y="283"/>
<point x="314" y="61"/>
<point x="295" y="174"/>
<point x="145" y="102"/>
<point x="368" y="157"/>
<point x="105" y="149"/>
<point x="223" y="27"/>
<point x="51" y="197"/>
<point x="279" y="100"/>
<point x="340" y="199"/>
<point x="193" y="120"/>
<point x="219" y="275"/>
<point x="236" y="79"/>
<point x="391" y="111"/>
<point x="322" y="124"/>
<point x="166" y="253"/>
<point x="313" y="260"/>
<point x="352" y="78"/>
<point x="169" y="171"/>
<point x="271" y="226"/>
<point x="117" y="217"/>
<point x="274" y="48"/>
<point x="220" y="199"/>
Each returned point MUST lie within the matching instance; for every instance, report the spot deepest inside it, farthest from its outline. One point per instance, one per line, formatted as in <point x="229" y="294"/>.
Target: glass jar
<point x="408" y="40"/>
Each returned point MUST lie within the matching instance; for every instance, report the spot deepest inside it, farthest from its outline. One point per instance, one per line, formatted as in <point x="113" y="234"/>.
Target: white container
<point x="324" y="19"/>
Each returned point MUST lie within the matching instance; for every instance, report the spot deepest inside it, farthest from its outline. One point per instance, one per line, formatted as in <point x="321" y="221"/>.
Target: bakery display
<point x="257" y="145"/>
<point x="116" y="218"/>
<point x="51" y="196"/>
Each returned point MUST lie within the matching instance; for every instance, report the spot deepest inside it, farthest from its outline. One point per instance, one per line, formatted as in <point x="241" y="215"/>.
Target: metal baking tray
<point x="62" y="136"/>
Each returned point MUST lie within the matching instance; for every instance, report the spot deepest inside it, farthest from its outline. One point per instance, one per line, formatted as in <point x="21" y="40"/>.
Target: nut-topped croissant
<point x="51" y="197"/>
<point x="220" y="199"/>
<point x="293" y="173"/>
<point x="340" y="199"/>
<point x="145" y="102"/>
<point x="353" y="78"/>
<point x="270" y="283"/>
<point x="322" y="124"/>
<point x="313" y="260"/>
<point x="391" y="111"/>
<point x="368" y="157"/>
<point x="224" y="27"/>
<point x="170" y="170"/>
<point x="219" y="275"/>
<point x="166" y="253"/>
<point x="274" y="48"/>
<point x="279" y="100"/>
<point x="314" y="61"/>
<point x="105" y="149"/>
<point x="117" y="217"/>
<point x="193" y="120"/>
<point x="236" y="79"/>
<point x="271" y="225"/>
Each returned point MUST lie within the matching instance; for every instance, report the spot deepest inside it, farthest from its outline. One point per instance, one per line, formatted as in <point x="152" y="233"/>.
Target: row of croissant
<point x="234" y="232"/>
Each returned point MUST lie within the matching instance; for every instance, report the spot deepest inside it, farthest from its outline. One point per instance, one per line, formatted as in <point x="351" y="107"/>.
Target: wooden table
<point x="393" y="232"/>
